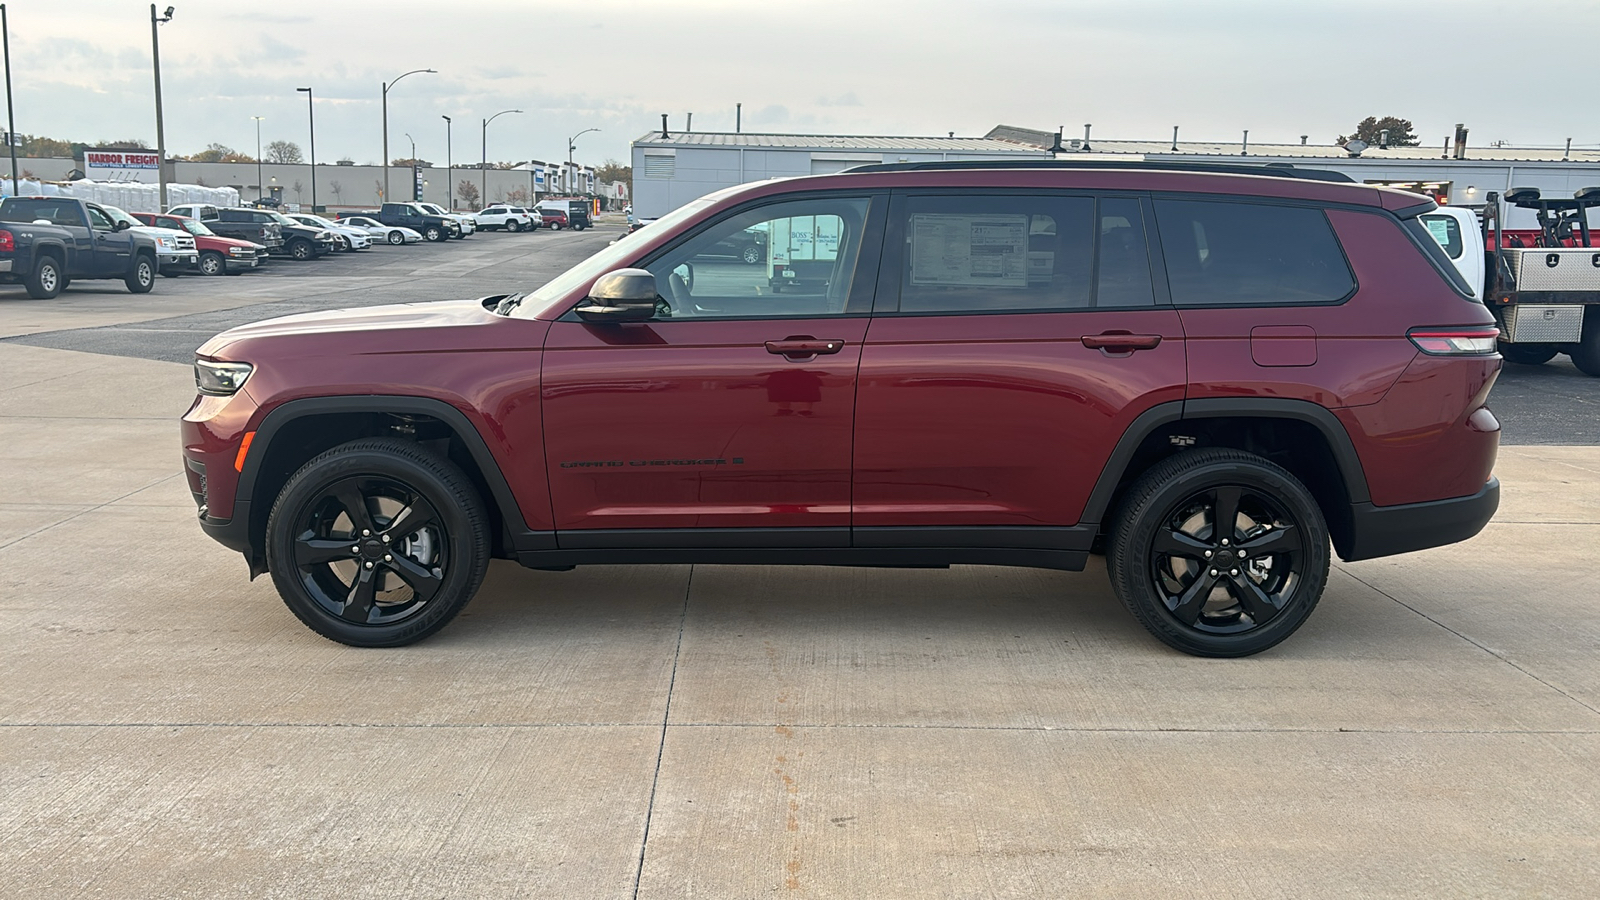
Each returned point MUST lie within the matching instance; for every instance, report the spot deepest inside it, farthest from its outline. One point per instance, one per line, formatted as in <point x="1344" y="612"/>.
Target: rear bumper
<point x="1388" y="530"/>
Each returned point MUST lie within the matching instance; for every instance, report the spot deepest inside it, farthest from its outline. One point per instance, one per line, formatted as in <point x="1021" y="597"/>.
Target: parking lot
<point x="169" y="729"/>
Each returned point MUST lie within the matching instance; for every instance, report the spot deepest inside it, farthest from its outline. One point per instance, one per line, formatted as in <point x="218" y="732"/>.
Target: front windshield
<point x="609" y="257"/>
<point x="281" y="219"/>
<point x="194" y="227"/>
<point x="118" y="215"/>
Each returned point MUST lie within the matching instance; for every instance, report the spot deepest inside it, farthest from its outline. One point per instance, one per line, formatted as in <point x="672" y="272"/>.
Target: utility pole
<point x="260" y="182"/>
<point x="10" y="114"/>
<point x="484" y="191"/>
<point x="386" y="86"/>
<point x="311" y="111"/>
<point x="449" y="177"/>
<point x="161" y="137"/>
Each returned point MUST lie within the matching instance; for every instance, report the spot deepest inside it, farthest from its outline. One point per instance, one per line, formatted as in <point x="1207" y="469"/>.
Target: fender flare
<point x="1326" y="423"/>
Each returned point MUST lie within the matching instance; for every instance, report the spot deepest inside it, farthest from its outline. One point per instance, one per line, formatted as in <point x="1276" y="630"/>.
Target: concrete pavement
<point x="168" y="729"/>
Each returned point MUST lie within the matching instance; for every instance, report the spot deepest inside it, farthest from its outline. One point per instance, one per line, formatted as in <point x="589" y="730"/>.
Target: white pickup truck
<point x="1542" y="286"/>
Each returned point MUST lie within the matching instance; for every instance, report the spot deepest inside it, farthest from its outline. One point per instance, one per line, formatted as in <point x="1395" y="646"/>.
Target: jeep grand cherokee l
<point x="1220" y="377"/>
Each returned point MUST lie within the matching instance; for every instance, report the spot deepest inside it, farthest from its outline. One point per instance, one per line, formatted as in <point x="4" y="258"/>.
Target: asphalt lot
<point x="168" y="729"/>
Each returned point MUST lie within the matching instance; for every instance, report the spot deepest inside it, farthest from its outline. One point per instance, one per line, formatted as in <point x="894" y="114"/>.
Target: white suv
<point x="510" y="218"/>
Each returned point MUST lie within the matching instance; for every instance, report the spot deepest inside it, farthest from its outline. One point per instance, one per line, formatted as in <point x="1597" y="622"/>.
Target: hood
<point x="332" y="324"/>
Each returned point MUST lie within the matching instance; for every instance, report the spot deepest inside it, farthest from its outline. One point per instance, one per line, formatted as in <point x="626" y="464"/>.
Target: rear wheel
<point x="1219" y="552"/>
<point x="1586" y="352"/>
<point x="377" y="543"/>
<point x="212" y="263"/>
<point x="46" y="280"/>
<point x="143" y="276"/>
<point x="1527" y="354"/>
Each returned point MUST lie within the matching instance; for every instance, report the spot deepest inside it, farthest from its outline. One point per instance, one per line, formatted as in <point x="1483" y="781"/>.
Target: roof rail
<point x="1272" y="170"/>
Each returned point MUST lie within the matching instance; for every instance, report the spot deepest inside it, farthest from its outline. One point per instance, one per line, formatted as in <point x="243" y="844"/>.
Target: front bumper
<point x="1387" y="530"/>
<point x="178" y="262"/>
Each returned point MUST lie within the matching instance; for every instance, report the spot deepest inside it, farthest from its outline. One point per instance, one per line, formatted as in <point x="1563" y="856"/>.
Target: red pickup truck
<point x="218" y="255"/>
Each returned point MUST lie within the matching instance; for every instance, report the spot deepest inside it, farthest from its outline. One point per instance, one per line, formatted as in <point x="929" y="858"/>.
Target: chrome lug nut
<point x="1208" y="554"/>
<point x="1213" y="573"/>
<point x="388" y="558"/>
<point x="369" y="565"/>
<point x="1224" y="542"/>
<point x="1233" y="571"/>
<point x="367" y="532"/>
<point x="356" y="549"/>
<point x="386" y="539"/>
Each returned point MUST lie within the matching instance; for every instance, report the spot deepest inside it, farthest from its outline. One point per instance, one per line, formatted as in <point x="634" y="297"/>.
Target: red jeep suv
<point x="1218" y="375"/>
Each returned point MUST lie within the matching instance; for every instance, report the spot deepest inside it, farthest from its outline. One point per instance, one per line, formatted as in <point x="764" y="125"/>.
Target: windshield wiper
<point x="508" y="303"/>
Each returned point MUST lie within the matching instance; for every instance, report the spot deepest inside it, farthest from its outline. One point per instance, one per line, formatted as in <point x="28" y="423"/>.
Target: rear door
<point x="1015" y="338"/>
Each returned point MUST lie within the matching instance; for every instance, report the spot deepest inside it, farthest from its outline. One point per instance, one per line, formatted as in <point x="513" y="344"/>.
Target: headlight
<point x="241" y="251"/>
<point x="220" y="378"/>
<point x="167" y="243"/>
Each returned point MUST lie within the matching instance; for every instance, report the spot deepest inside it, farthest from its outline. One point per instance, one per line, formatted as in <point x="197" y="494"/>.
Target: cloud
<point x="846" y="99"/>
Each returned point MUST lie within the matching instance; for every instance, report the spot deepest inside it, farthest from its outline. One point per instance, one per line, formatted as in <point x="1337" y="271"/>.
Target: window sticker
<point x="969" y="250"/>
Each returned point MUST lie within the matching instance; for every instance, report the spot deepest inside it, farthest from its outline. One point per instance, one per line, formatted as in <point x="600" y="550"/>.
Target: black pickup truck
<point x="45" y="242"/>
<point x="410" y="215"/>
<point x="281" y="235"/>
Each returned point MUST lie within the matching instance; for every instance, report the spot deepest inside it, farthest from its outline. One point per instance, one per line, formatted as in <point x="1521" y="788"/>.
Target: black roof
<point x="1273" y="170"/>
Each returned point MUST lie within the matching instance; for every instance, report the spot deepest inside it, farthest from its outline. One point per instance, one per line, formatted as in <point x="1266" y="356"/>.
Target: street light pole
<point x="483" y="194"/>
<point x="261" y="185"/>
<point x="311" y="112"/>
<point x="11" y="115"/>
<point x="413" y="167"/>
<point x="449" y="178"/>
<point x="572" y="145"/>
<point x="386" y="86"/>
<point x="161" y="136"/>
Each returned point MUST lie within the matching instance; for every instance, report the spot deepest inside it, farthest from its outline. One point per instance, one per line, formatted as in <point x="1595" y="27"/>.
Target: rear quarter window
<point x="1222" y="253"/>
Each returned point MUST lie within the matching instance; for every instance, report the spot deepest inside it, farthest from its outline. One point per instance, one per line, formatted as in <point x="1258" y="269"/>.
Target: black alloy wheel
<point x="143" y="276"/>
<point x="301" y="249"/>
<point x="212" y="263"/>
<point x="377" y="543"/>
<point x="1219" y="552"/>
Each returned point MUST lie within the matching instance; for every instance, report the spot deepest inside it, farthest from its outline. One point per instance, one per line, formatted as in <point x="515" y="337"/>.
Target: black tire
<point x="1527" y="354"/>
<point x="396" y="238"/>
<point x="45" y="282"/>
<point x="142" y="277"/>
<point x="433" y="233"/>
<point x="1585" y="353"/>
<point x="752" y="255"/>
<point x="169" y="274"/>
<point x="213" y="263"/>
<point x="396" y="588"/>
<point x="302" y="250"/>
<point x="513" y="226"/>
<point x="1164" y="549"/>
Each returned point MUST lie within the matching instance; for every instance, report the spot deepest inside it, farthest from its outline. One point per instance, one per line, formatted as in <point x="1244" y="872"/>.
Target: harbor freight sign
<point x="121" y="165"/>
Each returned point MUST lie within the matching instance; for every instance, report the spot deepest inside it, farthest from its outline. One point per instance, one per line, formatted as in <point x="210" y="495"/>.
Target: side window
<point x="98" y="220"/>
<point x="262" y="218"/>
<point x="1006" y="253"/>
<point x="783" y="260"/>
<point x="1446" y="231"/>
<point x="1250" y="254"/>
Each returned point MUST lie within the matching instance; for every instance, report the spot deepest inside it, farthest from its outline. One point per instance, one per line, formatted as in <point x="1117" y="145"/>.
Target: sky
<point x="81" y="70"/>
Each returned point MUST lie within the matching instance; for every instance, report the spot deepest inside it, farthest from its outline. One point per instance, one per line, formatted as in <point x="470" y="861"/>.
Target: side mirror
<point x="120" y="225"/>
<point x="626" y="295"/>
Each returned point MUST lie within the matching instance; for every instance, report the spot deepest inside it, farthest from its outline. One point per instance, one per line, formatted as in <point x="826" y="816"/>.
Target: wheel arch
<point x="1303" y="437"/>
<point x="300" y="429"/>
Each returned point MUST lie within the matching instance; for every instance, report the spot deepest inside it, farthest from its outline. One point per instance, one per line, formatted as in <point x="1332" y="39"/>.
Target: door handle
<point x="1121" y="341"/>
<point x="803" y="345"/>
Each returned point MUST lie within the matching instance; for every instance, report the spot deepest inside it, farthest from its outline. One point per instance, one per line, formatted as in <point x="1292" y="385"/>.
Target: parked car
<point x="344" y="237"/>
<point x="508" y="218"/>
<point x="218" y="255"/>
<point x="175" y="248"/>
<point x="466" y="224"/>
<point x="431" y="226"/>
<point x="46" y="242"/>
<point x="391" y="234"/>
<point x="576" y="212"/>
<point x="990" y="363"/>
<point x="255" y="226"/>
<point x="552" y="218"/>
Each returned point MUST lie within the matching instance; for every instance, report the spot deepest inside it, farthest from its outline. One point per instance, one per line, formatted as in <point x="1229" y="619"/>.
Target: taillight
<point x="8" y="244"/>
<point x="1477" y="340"/>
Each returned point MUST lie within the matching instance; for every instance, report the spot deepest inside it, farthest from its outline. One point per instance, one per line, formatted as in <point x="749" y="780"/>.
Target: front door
<point x="1026" y="335"/>
<point x="113" y="249"/>
<point x="732" y="408"/>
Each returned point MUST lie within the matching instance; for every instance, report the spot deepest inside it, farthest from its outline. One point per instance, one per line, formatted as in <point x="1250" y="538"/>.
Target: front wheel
<point x="751" y="255"/>
<point x="212" y="263"/>
<point x="143" y="276"/>
<point x="396" y="238"/>
<point x="377" y="543"/>
<point x="1219" y="552"/>
<point x="434" y="233"/>
<point x="513" y="226"/>
<point x="302" y="250"/>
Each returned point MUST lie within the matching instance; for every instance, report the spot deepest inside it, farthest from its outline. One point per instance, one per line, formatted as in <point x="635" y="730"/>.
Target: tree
<point x="298" y="189"/>
<point x="518" y="197"/>
<point x="468" y="192"/>
<point x="1400" y="134"/>
<point x="408" y="163"/>
<point x="43" y="147"/>
<point x="338" y="191"/>
<point x="284" y="152"/>
<point x="220" y="153"/>
<point x="135" y="143"/>
<point x="377" y="187"/>
<point x="611" y="170"/>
